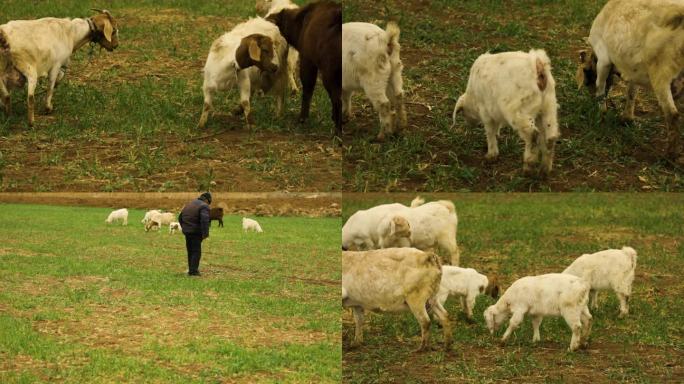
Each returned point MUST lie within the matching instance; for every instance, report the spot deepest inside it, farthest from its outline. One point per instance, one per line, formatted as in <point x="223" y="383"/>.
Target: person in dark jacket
<point x="194" y="219"/>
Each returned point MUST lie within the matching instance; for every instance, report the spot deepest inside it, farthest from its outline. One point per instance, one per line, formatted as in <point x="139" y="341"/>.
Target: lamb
<point x="609" y="269"/>
<point x="119" y="214"/>
<point x="553" y="294"/>
<point x="371" y="63"/>
<point x="269" y="8"/>
<point x="518" y="90"/>
<point x="175" y="226"/>
<point x="251" y="225"/>
<point x="149" y="214"/>
<point x="393" y="280"/>
<point x="31" y="49"/>
<point x="643" y="40"/>
<point x="216" y="214"/>
<point x="315" y="30"/>
<point x="253" y="55"/>
<point x="428" y="227"/>
<point x="158" y="220"/>
<point x="467" y="284"/>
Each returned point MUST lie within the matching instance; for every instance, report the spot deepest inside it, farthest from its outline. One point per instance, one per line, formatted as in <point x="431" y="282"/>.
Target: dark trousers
<point x="193" y="243"/>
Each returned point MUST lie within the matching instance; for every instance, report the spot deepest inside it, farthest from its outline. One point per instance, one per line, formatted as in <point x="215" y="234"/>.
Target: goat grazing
<point x="371" y="63"/>
<point x="216" y="214"/>
<point x="643" y="40"/>
<point x="393" y="280"/>
<point x="514" y="89"/>
<point x="467" y="284"/>
<point x="119" y="214"/>
<point x="612" y="269"/>
<point x="31" y="49"/>
<point x="253" y="55"/>
<point x="553" y="294"/>
<point x="251" y="225"/>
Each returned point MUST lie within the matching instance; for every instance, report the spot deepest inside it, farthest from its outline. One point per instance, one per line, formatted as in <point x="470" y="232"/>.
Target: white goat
<point x="253" y="55"/>
<point x="393" y="280"/>
<point x="612" y="269"/>
<point x="371" y="63"/>
<point x="518" y="90"/>
<point x="643" y="40"/>
<point x="273" y="7"/>
<point x="428" y="227"/>
<point x="158" y="220"/>
<point x="148" y="215"/>
<point x="175" y="226"/>
<point x="31" y="49"/>
<point x="467" y="284"/>
<point x="119" y="214"/>
<point x="553" y="294"/>
<point x="251" y="225"/>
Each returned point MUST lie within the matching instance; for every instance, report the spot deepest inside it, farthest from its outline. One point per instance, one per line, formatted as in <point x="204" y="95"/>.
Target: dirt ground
<point x="233" y="203"/>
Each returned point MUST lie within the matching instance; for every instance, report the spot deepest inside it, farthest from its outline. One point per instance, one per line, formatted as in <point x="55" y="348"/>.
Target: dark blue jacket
<point x="194" y="218"/>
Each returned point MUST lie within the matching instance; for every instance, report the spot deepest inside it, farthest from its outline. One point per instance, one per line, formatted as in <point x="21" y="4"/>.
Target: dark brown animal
<point x="216" y="214"/>
<point x="315" y="30"/>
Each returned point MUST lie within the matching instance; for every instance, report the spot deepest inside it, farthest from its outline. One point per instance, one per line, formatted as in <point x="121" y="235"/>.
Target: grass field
<point x="126" y="120"/>
<point x="518" y="235"/>
<point x="83" y="302"/>
<point x="439" y="42"/>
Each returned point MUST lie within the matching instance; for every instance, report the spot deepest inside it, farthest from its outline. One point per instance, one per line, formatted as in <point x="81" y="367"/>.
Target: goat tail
<point x="629" y="251"/>
<point x="393" y="32"/>
<point x="542" y="65"/>
<point x="448" y="205"/>
<point x="417" y="202"/>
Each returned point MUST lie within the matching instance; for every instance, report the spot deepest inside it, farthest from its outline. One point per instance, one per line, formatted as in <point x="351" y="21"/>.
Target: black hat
<point x="206" y="196"/>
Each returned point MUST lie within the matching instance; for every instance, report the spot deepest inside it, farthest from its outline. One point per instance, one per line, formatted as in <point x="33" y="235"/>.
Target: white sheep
<point x="149" y="214"/>
<point x="251" y="225"/>
<point x="643" y="40"/>
<point x="252" y="55"/>
<point x="467" y="284"/>
<point x="553" y="294"/>
<point x="31" y="49"/>
<point x="158" y="220"/>
<point x="273" y="7"/>
<point x="612" y="269"/>
<point x="393" y="280"/>
<point x="119" y="214"/>
<point x="175" y="226"/>
<point x="429" y="227"/>
<point x="518" y="90"/>
<point x="371" y="63"/>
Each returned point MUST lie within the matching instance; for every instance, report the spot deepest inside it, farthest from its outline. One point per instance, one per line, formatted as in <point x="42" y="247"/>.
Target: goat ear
<point x="579" y="77"/>
<point x="108" y="30"/>
<point x="393" y="226"/>
<point x="254" y="50"/>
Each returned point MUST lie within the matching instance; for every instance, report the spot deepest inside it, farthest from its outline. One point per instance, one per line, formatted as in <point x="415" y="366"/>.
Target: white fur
<point x="119" y="214"/>
<point x="393" y="280"/>
<point x="148" y="215"/>
<point x="466" y="283"/>
<point x="371" y="63"/>
<point x="222" y="72"/>
<point x="175" y="226"/>
<point x="634" y="36"/>
<point x="41" y="48"/>
<point x="612" y="269"/>
<point x="156" y="221"/>
<point x="251" y="225"/>
<point x="432" y="227"/>
<point x="503" y="90"/>
<point x="553" y="294"/>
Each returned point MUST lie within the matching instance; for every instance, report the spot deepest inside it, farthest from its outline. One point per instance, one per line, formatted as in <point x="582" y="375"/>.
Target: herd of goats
<point x="638" y="41"/>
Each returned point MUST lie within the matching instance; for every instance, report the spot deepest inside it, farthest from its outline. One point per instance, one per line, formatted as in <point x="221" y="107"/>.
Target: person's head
<point x="206" y="197"/>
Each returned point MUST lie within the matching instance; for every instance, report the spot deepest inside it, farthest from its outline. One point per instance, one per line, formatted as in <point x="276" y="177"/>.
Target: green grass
<point x="440" y="40"/>
<point x="145" y="98"/>
<point x="516" y="235"/>
<point x="82" y="301"/>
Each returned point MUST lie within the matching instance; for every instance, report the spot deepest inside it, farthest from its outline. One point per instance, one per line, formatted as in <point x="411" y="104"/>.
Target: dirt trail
<point x="257" y="203"/>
